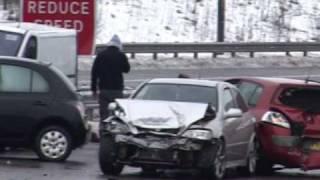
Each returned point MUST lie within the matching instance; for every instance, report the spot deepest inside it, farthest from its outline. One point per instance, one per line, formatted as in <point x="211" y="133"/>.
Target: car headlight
<point x="200" y="134"/>
<point x="275" y="118"/>
<point x="115" y="126"/>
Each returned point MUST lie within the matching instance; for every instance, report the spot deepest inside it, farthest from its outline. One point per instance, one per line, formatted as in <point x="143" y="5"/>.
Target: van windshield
<point x="10" y="43"/>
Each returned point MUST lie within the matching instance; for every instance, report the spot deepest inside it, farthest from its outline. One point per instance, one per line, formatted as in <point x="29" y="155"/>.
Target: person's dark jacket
<point x="107" y="70"/>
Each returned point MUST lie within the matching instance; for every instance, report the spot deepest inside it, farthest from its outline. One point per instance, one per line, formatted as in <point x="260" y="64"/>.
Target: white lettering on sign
<point x="53" y="7"/>
<point x="32" y="7"/>
<point x="66" y="23"/>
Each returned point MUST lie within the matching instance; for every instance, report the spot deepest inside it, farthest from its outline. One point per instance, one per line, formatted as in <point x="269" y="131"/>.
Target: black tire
<point x="252" y="159"/>
<point x="53" y="143"/>
<point x="108" y="156"/>
<point x="218" y="168"/>
<point x="264" y="165"/>
<point x="149" y="171"/>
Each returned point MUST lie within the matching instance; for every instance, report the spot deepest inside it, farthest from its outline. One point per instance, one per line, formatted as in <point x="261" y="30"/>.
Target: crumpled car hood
<point x="161" y="114"/>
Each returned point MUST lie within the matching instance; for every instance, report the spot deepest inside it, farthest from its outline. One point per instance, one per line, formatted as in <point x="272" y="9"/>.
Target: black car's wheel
<point x="217" y="169"/>
<point x="108" y="156"/>
<point x="149" y="170"/>
<point x="251" y="166"/>
<point x="53" y="143"/>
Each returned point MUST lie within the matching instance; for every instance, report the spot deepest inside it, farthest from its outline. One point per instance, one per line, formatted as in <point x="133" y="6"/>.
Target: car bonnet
<point x="161" y="114"/>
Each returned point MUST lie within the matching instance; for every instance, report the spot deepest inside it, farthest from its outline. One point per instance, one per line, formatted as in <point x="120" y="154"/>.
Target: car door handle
<point x="39" y="103"/>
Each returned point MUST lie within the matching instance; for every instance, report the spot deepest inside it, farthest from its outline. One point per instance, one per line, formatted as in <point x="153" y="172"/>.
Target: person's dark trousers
<point x="105" y="98"/>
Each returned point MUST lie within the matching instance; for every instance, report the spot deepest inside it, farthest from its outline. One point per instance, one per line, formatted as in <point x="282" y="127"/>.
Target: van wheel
<point x="107" y="156"/>
<point x="53" y="143"/>
<point x="149" y="170"/>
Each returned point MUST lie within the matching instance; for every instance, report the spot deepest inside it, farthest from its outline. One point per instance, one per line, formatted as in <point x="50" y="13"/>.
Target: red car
<point x="288" y="120"/>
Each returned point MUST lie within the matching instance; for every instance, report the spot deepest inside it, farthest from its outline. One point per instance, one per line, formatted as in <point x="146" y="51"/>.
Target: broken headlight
<point x="200" y="134"/>
<point x="275" y="118"/>
<point x="116" y="127"/>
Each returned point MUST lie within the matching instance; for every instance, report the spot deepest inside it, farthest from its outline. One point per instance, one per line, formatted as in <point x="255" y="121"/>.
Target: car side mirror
<point x="233" y="113"/>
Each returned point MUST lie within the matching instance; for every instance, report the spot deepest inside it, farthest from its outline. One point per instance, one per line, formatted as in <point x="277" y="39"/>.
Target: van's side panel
<point x="60" y="51"/>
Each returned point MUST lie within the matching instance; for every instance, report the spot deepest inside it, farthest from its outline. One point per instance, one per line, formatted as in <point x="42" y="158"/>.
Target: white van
<point x="41" y="42"/>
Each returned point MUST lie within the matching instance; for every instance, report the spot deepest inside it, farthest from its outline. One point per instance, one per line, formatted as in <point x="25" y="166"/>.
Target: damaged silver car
<point x="180" y="123"/>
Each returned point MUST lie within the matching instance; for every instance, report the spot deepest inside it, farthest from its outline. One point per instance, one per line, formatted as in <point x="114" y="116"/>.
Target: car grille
<point x="169" y="131"/>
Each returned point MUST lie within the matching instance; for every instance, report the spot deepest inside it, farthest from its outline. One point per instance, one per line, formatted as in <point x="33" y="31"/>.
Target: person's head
<point x="115" y="42"/>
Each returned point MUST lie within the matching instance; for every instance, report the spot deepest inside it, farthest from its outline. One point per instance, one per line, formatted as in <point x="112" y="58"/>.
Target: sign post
<point x="71" y="14"/>
<point x="221" y="20"/>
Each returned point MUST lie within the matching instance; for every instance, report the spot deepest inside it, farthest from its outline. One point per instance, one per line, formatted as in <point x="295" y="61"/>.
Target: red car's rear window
<point x="306" y="98"/>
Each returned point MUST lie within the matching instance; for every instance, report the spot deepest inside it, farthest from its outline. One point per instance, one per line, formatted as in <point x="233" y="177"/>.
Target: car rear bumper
<point x="292" y="151"/>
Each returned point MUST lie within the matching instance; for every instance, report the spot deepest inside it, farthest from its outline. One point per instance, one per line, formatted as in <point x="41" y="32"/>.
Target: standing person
<point x="107" y="74"/>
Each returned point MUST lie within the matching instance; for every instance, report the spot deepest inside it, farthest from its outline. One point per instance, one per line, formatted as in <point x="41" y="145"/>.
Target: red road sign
<point x="76" y="14"/>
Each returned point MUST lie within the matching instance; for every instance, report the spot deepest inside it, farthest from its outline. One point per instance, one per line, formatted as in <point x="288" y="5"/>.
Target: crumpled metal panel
<point x="160" y="143"/>
<point x="161" y="114"/>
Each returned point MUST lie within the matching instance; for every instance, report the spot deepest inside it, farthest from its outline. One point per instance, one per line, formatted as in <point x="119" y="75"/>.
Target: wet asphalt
<point x="19" y="164"/>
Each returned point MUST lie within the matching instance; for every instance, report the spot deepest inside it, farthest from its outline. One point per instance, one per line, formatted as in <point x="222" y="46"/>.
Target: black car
<point x="40" y="109"/>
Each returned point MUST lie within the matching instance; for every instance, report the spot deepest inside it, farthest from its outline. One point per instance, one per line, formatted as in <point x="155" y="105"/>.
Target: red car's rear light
<point x="275" y="118"/>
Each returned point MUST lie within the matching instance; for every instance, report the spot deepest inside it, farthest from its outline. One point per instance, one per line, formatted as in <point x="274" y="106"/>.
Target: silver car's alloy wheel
<point x="252" y="160"/>
<point x="53" y="144"/>
<point x="219" y="163"/>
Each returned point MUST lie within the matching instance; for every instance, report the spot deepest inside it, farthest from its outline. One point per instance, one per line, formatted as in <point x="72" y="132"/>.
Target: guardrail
<point x="217" y="48"/>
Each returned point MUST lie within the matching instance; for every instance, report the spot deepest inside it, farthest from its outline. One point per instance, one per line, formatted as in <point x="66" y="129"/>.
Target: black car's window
<point x="10" y="43"/>
<point x="39" y="84"/>
<point x="251" y="92"/>
<point x="182" y="93"/>
<point x="15" y="79"/>
<point x="21" y="79"/>
<point x="228" y="100"/>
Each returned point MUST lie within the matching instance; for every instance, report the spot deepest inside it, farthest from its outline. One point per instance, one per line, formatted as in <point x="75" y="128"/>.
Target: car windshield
<point x="10" y="43"/>
<point x="181" y="93"/>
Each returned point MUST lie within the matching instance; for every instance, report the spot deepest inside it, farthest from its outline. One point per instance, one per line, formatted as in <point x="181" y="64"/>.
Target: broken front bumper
<point x="163" y="151"/>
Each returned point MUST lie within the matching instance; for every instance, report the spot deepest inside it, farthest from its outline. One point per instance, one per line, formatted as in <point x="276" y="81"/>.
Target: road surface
<point x="83" y="165"/>
<point x="135" y="77"/>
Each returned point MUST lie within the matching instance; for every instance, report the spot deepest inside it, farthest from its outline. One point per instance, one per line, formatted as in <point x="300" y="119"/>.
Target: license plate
<point x="315" y="147"/>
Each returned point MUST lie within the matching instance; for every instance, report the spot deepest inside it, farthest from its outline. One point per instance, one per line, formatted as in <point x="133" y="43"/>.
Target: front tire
<point x="217" y="169"/>
<point x="108" y="156"/>
<point x="53" y="143"/>
<point x="264" y="165"/>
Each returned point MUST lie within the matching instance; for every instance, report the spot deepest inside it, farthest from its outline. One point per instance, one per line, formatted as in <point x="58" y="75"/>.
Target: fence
<point x="217" y="48"/>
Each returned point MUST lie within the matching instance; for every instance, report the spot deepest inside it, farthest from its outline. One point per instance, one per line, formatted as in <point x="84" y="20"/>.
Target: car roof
<point x="186" y="81"/>
<point x="275" y="81"/>
<point x="4" y="59"/>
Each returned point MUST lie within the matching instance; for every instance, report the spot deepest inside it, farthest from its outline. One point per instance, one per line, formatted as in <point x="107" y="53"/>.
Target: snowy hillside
<point x="195" y="20"/>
